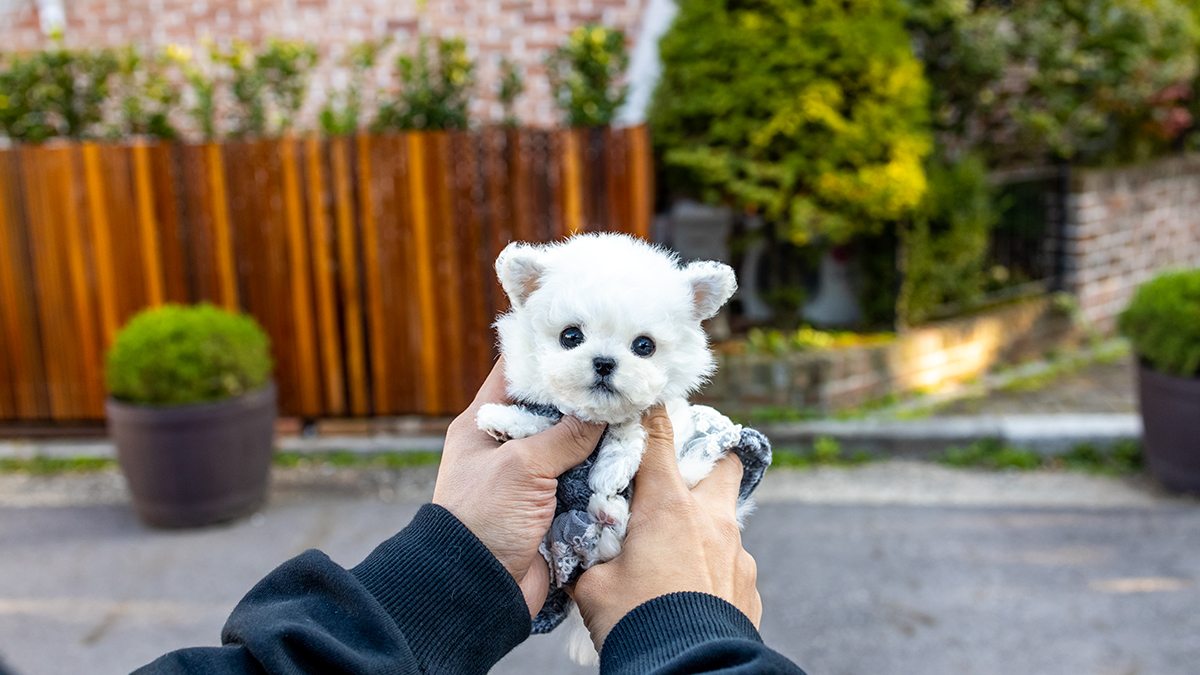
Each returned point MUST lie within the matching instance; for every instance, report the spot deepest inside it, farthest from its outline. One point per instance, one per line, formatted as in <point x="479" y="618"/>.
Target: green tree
<point x="814" y="113"/>
<point x="1110" y="78"/>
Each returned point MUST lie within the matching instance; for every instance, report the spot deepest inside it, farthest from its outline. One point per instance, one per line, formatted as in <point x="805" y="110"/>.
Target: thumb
<point x="562" y="446"/>
<point x="659" y="471"/>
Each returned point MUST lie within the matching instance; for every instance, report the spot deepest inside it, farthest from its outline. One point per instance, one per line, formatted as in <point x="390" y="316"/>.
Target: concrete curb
<point x="903" y="438"/>
<point x="1047" y="434"/>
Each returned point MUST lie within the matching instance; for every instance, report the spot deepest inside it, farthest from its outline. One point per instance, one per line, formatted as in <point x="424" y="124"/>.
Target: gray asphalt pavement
<point x="1104" y="583"/>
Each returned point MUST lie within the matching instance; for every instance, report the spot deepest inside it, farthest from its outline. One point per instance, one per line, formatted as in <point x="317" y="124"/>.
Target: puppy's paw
<point x="611" y="516"/>
<point x="509" y="422"/>
<point x="695" y="468"/>
<point x="609" y="511"/>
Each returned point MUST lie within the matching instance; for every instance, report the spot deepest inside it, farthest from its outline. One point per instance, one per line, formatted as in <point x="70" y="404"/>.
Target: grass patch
<point x="49" y="466"/>
<point x="825" y="451"/>
<point x="344" y="459"/>
<point x="1121" y="458"/>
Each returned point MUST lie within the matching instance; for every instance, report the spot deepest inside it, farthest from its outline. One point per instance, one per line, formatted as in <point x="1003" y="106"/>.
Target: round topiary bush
<point x="176" y="354"/>
<point x="1163" y="323"/>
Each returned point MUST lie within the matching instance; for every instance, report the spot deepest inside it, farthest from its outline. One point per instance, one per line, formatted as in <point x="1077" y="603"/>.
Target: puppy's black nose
<point x="604" y="366"/>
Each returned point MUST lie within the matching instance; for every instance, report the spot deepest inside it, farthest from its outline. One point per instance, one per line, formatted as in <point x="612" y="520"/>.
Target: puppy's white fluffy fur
<point x="614" y="289"/>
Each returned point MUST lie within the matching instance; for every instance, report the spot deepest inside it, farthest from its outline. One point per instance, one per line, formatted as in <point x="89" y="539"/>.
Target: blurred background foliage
<point x="886" y="122"/>
<point x="884" y="126"/>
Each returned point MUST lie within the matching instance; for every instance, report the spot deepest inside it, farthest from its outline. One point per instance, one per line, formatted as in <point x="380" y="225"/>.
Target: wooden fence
<point x="367" y="259"/>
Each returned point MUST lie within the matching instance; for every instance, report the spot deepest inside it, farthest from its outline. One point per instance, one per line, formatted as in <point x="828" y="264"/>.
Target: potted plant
<point x="1163" y="323"/>
<point x="191" y="409"/>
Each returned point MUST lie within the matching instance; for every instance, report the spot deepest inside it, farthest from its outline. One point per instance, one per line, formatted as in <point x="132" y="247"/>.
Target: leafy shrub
<point x="813" y="113"/>
<point x="1163" y="323"/>
<point x="146" y="95"/>
<point x="1107" y="79"/>
<point x="945" y="244"/>
<point x="203" y="110"/>
<point x="268" y="86"/>
<point x="341" y="112"/>
<point x="511" y="86"/>
<point x="583" y="75"/>
<point x="284" y="66"/>
<point x="176" y="354"/>
<point x="435" y="91"/>
<point x="56" y="92"/>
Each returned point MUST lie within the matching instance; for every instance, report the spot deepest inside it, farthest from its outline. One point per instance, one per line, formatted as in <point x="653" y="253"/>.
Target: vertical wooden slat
<point x="204" y="283"/>
<point x="446" y="273"/>
<point x="148" y="225"/>
<point x="331" y="346"/>
<point x="298" y="266"/>
<point x="86" y="335"/>
<point x="616" y="181"/>
<point x="102" y="247"/>
<point x="572" y="183"/>
<point x="641" y="179"/>
<point x="376" y="320"/>
<point x="166" y="209"/>
<point x="398" y="279"/>
<point x="18" y="313"/>
<point x="351" y="296"/>
<point x="430" y="351"/>
<point x="222" y="236"/>
<point x="469" y="238"/>
<point x="41" y="166"/>
<point x="520" y="175"/>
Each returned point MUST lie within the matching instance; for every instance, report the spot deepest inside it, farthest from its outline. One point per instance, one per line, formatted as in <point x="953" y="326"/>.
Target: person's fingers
<point x="562" y="446"/>
<point x="658" y="475"/>
<point x="718" y="491"/>
<point x="464" y="427"/>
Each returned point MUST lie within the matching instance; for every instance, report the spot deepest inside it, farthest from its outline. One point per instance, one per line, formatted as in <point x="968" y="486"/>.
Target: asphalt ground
<point x="893" y="567"/>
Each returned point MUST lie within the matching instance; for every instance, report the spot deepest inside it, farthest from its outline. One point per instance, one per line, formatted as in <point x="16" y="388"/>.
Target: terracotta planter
<point x="194" y="465"/>
<point x="1171" y="416"/>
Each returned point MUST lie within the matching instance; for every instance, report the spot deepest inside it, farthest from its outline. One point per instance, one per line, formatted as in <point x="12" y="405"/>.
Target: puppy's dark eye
<point x="642" y="346"/>
<point x="571" y="337"/>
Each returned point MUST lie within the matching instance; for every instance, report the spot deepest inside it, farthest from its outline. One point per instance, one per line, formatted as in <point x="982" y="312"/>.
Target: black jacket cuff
<point x="458" y="608"/>
<point x="658" y="631"/>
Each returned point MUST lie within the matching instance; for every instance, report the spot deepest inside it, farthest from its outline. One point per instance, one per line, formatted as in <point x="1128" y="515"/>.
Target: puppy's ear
<point x="520" y="269"/>
<point x="712" y="284"/>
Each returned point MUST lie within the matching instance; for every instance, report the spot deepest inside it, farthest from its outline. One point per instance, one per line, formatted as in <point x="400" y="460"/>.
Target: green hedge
<point x="177" y="354"/>
<point x="1163" y="323"/>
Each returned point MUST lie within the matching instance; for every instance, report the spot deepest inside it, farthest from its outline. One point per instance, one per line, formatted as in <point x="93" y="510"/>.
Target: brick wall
<point x="1126" y="224"/>
<point x="523" y="30"/>
<point x="919" y="359"/>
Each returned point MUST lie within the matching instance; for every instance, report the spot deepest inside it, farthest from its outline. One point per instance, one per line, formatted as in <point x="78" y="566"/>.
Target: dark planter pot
<point x="195" y="465"/>
<point x="1171" y="417"/>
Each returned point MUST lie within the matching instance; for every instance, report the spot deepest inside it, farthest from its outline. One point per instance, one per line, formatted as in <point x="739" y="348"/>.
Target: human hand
<point x="677" y="540"/>
<point x="505" y="493"/>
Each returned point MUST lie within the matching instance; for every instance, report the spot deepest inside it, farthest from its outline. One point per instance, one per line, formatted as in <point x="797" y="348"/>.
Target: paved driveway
<point x="1093" y="586"/>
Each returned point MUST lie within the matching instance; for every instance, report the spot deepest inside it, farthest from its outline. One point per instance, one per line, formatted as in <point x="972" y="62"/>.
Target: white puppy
<point x="602" y="327"/>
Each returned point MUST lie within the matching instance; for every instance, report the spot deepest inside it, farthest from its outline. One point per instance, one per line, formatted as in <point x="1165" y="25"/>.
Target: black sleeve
<point x="431" y="599"/>
<point x="689" y="633"/>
